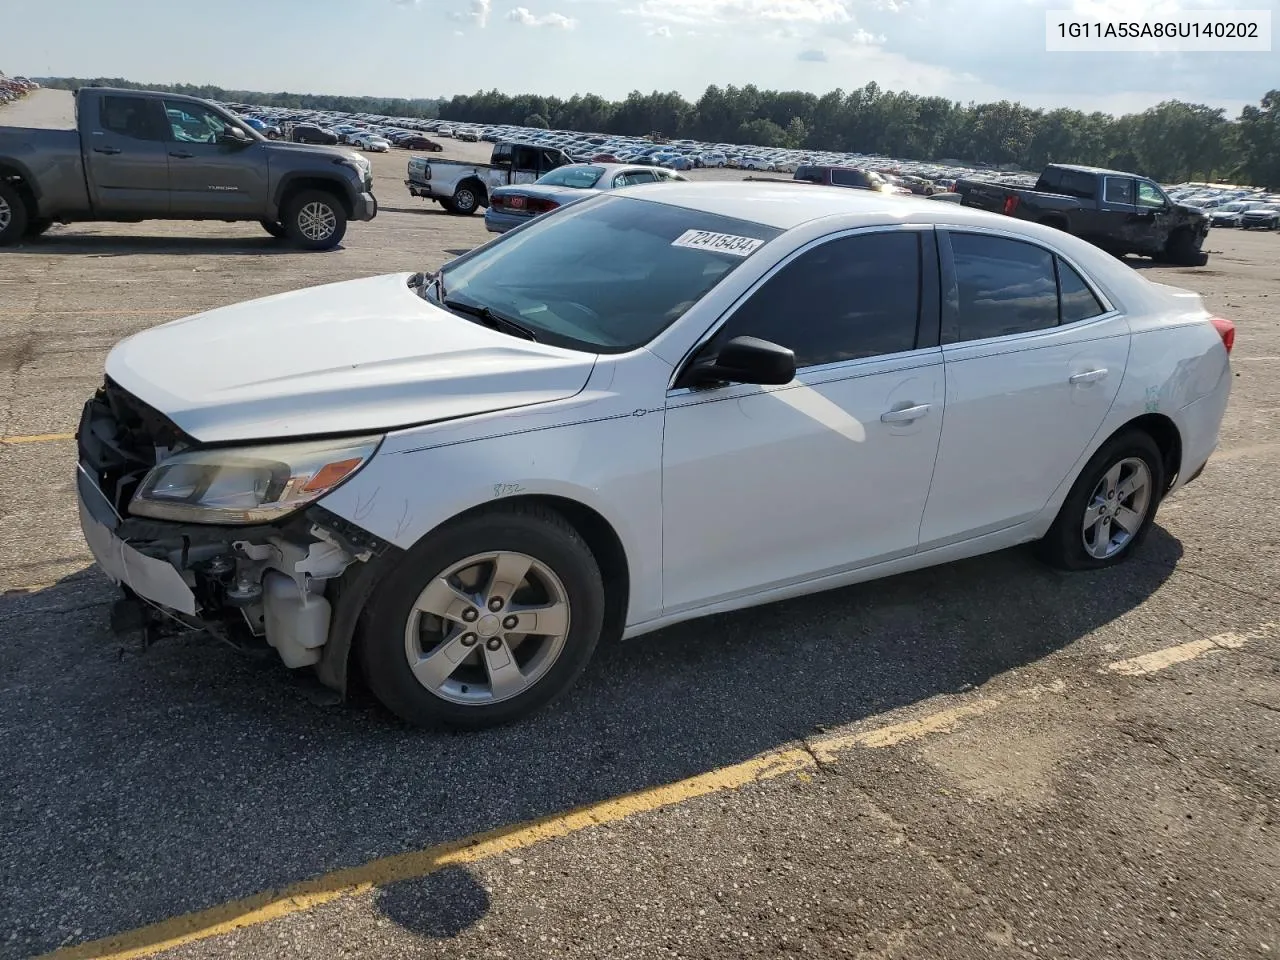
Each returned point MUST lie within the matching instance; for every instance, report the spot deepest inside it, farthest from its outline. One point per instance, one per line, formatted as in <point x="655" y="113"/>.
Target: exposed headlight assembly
<point x="249" y="484"/>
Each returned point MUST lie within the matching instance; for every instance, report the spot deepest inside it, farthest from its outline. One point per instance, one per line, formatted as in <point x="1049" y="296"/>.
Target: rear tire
<point x="36" y="228"/>
<point x="13" y="215"/>
<point x="1128" y="460"/>
<point x="464" y="202"/>
<point x="315" y="220"/>
<point x="399" y="635"/>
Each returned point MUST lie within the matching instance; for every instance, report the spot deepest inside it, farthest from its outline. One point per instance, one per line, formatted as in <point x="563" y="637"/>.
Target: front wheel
<point x="485" y="621"/>
<point x="13" y="215"/>
<point x="315" y="220"/>
<point x="1110" y="508"/>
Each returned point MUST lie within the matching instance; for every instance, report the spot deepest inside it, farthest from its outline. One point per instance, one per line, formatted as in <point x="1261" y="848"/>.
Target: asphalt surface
<point x="1089" y="813"/>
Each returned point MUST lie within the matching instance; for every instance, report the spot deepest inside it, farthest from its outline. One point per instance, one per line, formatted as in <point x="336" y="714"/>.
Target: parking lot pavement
<point x="989" y="759"/>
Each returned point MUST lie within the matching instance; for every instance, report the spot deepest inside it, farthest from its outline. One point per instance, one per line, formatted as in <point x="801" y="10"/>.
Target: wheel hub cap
<point x="316" y="221"/>
<point x="6" y="215"/>
<point x="511" y="602"/>
<point x="1117" y="508"/>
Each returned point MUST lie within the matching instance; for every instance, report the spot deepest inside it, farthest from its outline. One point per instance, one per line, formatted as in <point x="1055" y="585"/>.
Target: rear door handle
<point x="1089" y="376"/>
<point x="181" y="154"/>
<point x="108" y="150"/>
<point x="906" y="414"/>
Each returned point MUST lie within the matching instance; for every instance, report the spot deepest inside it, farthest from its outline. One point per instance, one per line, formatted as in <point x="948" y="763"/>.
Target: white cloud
<point x="477" y="11"/>
<point x="744" y="11"/>
<point x="662" y="31"/>
<point x="812" y="56"/>
<point x="522" y="16"/>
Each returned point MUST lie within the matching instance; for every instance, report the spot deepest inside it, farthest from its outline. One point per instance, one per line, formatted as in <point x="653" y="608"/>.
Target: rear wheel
<point x="1110" y="508"/>
<point x="464" y="202"/>
<point x="485" y="621"/>
<point x="13" y="215"/>
<point x="315" y="220"/>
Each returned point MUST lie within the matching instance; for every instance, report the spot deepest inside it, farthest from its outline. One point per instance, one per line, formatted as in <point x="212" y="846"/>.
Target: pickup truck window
<point x="1005" y="286"/>
<point x="502" y="154"/>
<point x="851" y="178"/>
<point x="1118" y="190"/>
<point x="1076" y="301"/>
<point x="191" y="123"/>
<point x="1149" y="194"/>
<point x="1071" y="183"/>
<point x="134" y="117"/>
<point x="812" y="174"/>
<point x="860" y="296"/>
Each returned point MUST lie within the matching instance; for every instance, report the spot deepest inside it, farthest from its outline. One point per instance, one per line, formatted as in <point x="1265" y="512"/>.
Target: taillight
<point x="1010" y="204"/>
<point x="539" y="205"/>
<point x="1226" y="330"/>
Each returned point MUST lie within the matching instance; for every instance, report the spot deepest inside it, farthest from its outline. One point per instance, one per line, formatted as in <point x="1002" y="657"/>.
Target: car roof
<point x="787" y="204"/>
<point x="1081" y="168"/>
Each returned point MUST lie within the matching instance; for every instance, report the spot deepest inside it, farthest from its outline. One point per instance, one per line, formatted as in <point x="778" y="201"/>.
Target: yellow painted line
<point x="1169" y="656"/>
<point x="944" y="721"/>
<point x="38" y="438"/>
<point x="273" y="904"/>
<point x="299" y="897"/>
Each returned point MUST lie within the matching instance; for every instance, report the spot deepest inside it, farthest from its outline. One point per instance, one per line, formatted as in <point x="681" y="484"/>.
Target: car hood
<point x="362" y="355"/>
<point x="1192" y="212"/>
<point x="311" y="149"/>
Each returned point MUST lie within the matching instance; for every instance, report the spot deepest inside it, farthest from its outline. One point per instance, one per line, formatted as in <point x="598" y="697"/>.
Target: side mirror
<point x="746" y="360"/>
<point x="235" y="135"/>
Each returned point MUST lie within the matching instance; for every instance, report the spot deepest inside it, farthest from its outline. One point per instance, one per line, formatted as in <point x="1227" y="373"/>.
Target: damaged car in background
<point x="589" y="429"/>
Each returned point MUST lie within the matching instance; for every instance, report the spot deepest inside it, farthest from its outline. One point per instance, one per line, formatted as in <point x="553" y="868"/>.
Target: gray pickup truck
<point x="462" y="187"/>
<point x="138" y="155"/>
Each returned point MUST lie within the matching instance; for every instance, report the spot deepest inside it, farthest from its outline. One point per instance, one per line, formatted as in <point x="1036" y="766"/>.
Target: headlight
<point x="249" y="484"/>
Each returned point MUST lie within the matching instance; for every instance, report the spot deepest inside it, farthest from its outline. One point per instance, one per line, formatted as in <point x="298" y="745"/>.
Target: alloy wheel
<point x="316" y="221"/>
<point x="488" y="628"/>
<point x="6" y="215"/>
<point x="1117" y="508"/>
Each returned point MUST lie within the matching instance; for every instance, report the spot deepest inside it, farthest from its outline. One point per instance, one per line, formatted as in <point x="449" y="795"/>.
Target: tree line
<point x="426" y="109"/>
<point x="1171" y="142"/>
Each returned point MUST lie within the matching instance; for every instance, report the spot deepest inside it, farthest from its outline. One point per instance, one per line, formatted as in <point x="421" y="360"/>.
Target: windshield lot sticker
<point x="718" y="242"/>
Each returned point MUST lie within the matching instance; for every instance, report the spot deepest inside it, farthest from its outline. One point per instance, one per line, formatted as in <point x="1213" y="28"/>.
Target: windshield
<point x="579" y="178"/>
<point x="607" y="274"/>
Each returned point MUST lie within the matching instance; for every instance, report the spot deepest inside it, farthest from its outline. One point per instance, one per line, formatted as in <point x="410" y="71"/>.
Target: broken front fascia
<point x="283" y="579"/>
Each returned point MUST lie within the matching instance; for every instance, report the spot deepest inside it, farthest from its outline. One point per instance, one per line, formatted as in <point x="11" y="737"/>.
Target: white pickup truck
<point x="462" y="187"/>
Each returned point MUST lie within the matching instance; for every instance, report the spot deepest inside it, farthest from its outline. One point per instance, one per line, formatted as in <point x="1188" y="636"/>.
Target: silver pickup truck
<point x="137" y="155"/>
<point x="463" y="188"/>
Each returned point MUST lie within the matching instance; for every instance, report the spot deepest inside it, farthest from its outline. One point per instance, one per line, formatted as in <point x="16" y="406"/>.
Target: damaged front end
<point x="271" y="565"/>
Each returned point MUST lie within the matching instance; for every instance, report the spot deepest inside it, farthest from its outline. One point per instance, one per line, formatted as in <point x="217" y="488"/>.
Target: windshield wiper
<point x="494" y="321"/>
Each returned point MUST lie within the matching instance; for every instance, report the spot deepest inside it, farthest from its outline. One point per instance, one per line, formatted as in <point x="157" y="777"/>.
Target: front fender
<point x="348" y="189"/>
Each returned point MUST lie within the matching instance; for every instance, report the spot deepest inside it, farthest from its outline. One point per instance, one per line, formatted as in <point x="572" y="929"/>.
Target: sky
<point x="965" y="50"/>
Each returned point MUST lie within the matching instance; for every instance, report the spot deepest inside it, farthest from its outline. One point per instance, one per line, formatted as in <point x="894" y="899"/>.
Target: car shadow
<point x="97" y="245"/>
<point x="120" y="763"/>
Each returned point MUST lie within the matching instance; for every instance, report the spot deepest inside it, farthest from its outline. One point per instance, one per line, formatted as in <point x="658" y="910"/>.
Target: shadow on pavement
<point x="107" y="246"/>
<point x="191" y="774"/>
<point x="439" y="905"/>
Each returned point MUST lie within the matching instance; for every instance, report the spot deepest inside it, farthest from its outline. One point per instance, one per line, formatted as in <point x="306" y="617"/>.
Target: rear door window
<point x="135" y="117"/>
<point x="1118" y="191"/>
<point x="1005" y="286"/>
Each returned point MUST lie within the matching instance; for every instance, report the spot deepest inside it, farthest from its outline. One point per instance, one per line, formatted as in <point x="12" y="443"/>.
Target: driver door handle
<point x="107" y="150"/>
<point x="181" y="154"/>
<point x="1089" y="376"/>
<point x="906" y="414"/>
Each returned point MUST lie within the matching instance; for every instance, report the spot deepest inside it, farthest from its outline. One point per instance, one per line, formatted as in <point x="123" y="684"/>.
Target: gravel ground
<point x="1088" y="814"/>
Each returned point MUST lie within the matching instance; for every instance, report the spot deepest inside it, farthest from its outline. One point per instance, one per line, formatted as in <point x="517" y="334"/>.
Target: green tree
<point x="537" y="120"/>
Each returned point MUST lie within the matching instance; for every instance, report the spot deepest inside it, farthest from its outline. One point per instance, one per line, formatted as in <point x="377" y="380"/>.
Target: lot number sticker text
<point x="719" y="242"/>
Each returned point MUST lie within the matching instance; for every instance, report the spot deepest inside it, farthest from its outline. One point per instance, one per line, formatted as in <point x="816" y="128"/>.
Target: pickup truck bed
<point x="463" y="188"/>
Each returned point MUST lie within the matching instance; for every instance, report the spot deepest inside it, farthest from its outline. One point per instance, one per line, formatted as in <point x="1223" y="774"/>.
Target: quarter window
<point x="1005" y="286"/>
<point x="1078" y="301"/>
<point x="858" y="296"/>
<point x="133" y="117"/>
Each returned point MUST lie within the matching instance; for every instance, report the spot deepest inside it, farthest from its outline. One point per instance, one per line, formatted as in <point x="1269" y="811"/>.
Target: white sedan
<point x="648" y="406"/>
<point x="371" y="142"/>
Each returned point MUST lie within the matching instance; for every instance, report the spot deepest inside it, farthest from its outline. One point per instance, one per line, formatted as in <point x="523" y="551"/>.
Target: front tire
<point x="13" y="215"/>
<point x="451" y="641"/>
<point x="315" y="220"/>
<point x="1111" y="506"/>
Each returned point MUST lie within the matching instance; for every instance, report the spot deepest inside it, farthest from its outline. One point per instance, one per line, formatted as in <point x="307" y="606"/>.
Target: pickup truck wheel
<point x="13" y="215"/>
<point x="275" y="229"/>
<point x="1181" y="250"/>
<point x="315" y="220"/>
<point x="485" y="620"/>
<point x="464" y="202"/>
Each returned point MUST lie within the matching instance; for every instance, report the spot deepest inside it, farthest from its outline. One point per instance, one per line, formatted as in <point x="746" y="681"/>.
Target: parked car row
<point x="14" y="88"/>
